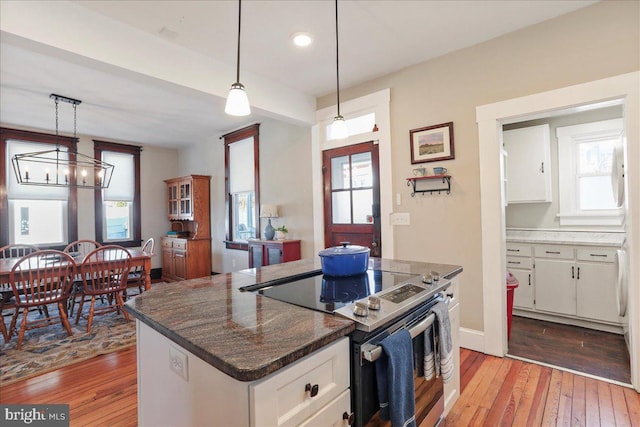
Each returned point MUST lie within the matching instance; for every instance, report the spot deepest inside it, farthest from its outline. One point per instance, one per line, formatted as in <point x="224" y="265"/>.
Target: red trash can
<point x="512" y="284"/>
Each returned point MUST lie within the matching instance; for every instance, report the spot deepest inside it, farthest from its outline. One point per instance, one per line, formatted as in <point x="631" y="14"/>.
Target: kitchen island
<point x="209" y="353"/>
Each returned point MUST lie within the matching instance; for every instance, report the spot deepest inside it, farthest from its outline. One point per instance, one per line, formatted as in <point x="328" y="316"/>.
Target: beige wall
<point x="543" y="215"/>
<point x="592" y="43"/>
<point x="285" y="158"/>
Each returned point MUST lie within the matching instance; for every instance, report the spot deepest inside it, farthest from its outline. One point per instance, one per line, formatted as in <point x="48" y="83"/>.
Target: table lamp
<point x="269" y="211"/>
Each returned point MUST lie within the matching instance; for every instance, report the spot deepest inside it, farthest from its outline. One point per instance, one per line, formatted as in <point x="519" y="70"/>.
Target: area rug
<point x="49" y="348"/>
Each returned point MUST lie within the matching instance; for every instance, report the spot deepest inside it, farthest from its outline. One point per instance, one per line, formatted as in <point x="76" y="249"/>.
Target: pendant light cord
<point x="238" y="57"/>
<point x="337" y="62"/>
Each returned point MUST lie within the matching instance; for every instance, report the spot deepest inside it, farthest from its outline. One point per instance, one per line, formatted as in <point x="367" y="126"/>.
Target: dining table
<point x="138" y="258"/>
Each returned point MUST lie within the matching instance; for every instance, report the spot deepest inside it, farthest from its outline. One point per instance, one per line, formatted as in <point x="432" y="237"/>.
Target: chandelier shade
<point x="237" y="100"/>
<point x="61" y="168"/>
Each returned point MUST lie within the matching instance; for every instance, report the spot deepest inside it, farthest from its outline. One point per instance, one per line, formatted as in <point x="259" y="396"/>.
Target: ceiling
<point x="377" y="37"/>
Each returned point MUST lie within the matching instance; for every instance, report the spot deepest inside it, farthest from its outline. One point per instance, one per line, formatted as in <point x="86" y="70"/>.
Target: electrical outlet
<point x="401" y="218"/>
<point x="178" y="363"/>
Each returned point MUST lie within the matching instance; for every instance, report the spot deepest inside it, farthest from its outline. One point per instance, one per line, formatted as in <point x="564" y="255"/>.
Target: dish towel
<point x="429" y="356"/>
<point x="444" y="351"/>
<point x="394" y="375"/>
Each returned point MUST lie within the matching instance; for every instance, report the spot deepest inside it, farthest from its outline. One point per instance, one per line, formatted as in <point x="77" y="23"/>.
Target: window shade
<point x="33" y="192"/>
<point x="121" y="188"/>
<point x="241" y="172"/>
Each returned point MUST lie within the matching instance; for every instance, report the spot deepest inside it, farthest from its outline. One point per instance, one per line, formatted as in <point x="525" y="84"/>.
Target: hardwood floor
<point x="598" y="353"/>
<point x="495" y="391"/>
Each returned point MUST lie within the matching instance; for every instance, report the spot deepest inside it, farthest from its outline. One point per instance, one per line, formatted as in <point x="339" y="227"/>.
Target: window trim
<point x="251" y="131"/>
<point x="136" y="236"/>
<point x="72" y="201"/>
<point x="568" y="139"/>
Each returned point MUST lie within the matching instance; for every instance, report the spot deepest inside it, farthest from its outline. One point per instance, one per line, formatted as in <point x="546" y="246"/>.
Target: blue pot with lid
<point x="344" y="260"/>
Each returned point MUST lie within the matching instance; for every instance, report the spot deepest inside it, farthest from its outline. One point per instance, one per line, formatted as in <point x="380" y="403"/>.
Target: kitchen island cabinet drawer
<point x="333" y="414"/>
<point x="515" y="262"/>
<point x="596" y="254"/>
<point x="300" y="391"/>
<point x="559" y="252"/>
<point x="514" y="249"/>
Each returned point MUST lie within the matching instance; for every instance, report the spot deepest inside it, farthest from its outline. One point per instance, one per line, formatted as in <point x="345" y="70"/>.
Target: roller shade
<point x="121" y="188"/>
<point x="241" y="171"/>
<point x="33" y="192"/>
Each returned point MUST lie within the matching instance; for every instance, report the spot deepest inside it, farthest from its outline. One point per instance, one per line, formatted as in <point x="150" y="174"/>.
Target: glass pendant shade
<point x="339" y="129"/>
<point x="237" y="101"/>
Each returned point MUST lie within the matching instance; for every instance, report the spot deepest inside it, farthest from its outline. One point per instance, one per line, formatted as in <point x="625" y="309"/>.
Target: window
<point x="32" y="214"/>
<point x="118" y="206"/>
<point x="242" y="186"/>
<point x="355" y="125"/>
<point x="586" y="155"/>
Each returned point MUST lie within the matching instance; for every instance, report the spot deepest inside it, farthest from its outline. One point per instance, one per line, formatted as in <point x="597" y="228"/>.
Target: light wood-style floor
<point x="495" y="392"/>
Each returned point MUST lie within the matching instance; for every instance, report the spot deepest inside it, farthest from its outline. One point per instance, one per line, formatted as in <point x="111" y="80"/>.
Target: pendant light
<point x="58" y="168"/>
<point x="237" y="100"/>
<point x="339" y="128"/>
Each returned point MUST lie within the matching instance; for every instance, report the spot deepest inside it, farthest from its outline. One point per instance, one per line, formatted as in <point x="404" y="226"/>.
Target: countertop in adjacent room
<point x="562" y="237"/>
<point x="243" y="334"/>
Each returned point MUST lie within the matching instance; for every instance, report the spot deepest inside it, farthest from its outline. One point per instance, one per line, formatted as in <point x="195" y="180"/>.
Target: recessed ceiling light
<point x="302" y="39"/>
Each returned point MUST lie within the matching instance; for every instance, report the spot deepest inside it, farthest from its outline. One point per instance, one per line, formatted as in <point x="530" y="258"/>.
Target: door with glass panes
<point x="352" y="196"/>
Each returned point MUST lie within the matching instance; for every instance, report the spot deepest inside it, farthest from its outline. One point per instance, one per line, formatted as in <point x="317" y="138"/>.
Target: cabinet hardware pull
<point x="542" y="167"/>
<point x="578" y="277"/>
<point x="348" y="417"/>
<point x="513" y="262"/>
<point x="529" y="280"/>
<point x="311" y="389"/>
<point x="602" y="255"/>
<point x="552" y="252"/>
<point x="572" y="272"/>
<point x="513" y="250"/>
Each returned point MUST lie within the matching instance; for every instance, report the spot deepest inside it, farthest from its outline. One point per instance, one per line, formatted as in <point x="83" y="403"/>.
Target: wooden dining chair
<point x="137" y="273"/>
<point x="6" y="302"/>
<point x="37" y="280"/>
<point x="104" y="273"/>
<point x="78" y="250"/>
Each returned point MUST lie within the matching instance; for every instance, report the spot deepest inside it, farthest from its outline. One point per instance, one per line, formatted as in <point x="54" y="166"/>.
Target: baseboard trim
<point x="472" y="339"/>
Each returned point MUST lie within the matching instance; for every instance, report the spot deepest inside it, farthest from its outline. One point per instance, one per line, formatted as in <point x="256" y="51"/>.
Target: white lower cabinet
<point x="596" y="295"/>
<point x="452" y="388"/>
<point x="177" y="388"/>
<point x="555" y="286"/>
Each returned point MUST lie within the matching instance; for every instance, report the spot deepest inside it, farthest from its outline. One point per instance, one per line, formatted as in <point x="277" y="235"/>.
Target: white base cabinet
<point x="177" y="388"/>
<point x="575" y="282"/>
<point x="452" y="388"/>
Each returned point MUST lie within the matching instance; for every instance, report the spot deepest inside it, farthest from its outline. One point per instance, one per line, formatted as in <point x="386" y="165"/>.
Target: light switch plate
<point x="401" y="218"/>
<point x="178" y="363"/>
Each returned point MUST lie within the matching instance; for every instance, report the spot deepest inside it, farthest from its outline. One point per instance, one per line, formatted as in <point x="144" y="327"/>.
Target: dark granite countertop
<point x="243" y="334"/>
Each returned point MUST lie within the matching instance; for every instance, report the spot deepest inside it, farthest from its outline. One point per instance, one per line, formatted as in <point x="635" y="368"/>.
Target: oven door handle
<point x="372" y="354"/>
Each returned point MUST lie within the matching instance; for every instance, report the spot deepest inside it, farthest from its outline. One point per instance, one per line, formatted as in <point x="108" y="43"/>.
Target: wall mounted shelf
<point x="446" y="179"/>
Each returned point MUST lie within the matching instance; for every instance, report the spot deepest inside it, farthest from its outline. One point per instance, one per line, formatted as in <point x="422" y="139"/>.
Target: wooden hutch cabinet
<point x="186" y="253"/>
<point x="269" y="252"/>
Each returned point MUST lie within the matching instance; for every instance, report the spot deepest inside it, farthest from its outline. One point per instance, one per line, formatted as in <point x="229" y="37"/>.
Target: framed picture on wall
<point x="432" y="143"/>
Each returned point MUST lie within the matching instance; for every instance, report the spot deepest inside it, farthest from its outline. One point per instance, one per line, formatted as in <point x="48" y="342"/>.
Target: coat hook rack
<point x="446" y="179"/>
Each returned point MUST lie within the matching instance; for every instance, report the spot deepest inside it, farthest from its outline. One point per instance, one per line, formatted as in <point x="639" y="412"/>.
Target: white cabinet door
<point x="523" y="294"/>
<point x="528" y="164"/>
<point x="452" y="388"/>
<point x="596" y="291"/>
<point x="555" y="288"/>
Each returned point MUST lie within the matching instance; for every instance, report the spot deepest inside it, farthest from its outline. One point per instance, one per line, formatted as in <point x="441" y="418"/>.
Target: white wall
<point x="285" y="180"/>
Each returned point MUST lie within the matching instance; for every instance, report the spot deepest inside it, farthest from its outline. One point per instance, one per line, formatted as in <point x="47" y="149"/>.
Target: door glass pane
<point x="595" y="157"/>
<point x="341" y="206"/>
<point x="596" y="193"/>
<point x="340" y="173"/>
<point x="362" y="206"/>
<point x="361" y="170"/>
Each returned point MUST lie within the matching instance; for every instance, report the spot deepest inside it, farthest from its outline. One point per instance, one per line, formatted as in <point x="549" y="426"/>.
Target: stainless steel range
<point x="380" y="303"/>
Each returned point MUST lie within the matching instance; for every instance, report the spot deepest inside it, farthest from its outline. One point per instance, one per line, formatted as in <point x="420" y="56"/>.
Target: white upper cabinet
<point x="528" y="164"/>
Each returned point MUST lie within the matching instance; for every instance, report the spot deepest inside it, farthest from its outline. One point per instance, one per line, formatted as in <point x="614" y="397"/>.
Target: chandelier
<point x="340" y="130"/>
<point x="61" y="168"/>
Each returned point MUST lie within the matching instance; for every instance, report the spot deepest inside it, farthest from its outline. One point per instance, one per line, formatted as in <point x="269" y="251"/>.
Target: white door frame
<point x="490" y="118"/>
<point x="379" y="103"/>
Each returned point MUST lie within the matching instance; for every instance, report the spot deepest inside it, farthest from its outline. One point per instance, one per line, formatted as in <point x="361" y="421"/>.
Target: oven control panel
<point x="376" y="310"/>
